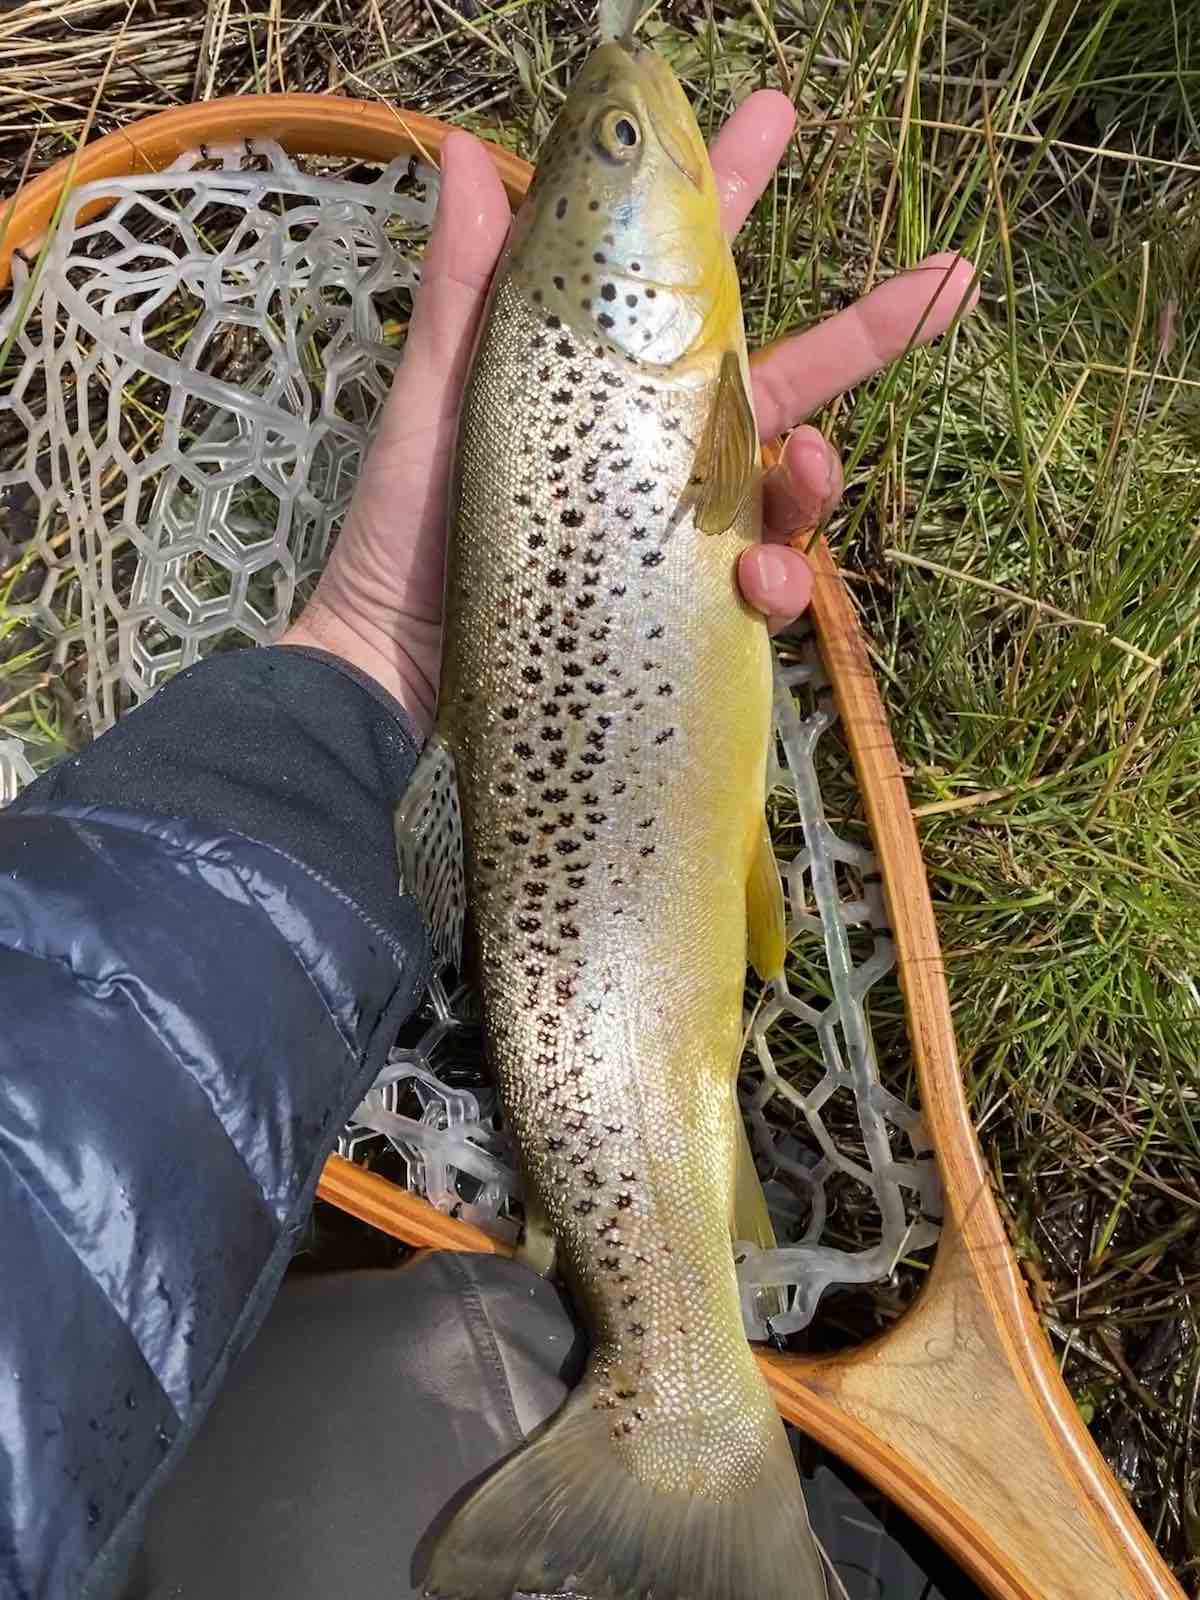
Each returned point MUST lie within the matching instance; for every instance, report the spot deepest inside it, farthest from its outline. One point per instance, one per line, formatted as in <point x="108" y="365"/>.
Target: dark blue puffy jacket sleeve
<point x="204" y="959"/>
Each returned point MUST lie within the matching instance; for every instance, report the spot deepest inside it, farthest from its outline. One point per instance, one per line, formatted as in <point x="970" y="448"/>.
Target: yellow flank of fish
<point x="604" y="727"/>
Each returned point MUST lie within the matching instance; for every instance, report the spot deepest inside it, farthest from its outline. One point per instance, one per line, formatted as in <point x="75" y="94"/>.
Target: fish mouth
<point x="692" y="173"/>
<point x="664" y="95"/>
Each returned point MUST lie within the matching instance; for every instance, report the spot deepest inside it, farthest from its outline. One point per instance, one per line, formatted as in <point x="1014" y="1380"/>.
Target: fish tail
<point x="566" y="1516"/>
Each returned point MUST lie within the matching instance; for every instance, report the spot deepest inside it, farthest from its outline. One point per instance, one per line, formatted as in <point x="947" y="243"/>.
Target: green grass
<point x="1021" y="533"/>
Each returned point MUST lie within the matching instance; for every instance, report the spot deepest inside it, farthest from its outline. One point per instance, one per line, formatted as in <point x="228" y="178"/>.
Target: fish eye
<point x="617" y="135"/>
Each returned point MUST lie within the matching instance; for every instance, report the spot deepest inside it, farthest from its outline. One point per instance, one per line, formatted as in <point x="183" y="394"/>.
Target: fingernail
<point x="771" y="569"/>
<point x="811" y="457"/>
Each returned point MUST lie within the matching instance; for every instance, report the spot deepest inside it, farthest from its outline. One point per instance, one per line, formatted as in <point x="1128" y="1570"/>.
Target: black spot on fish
<point x="605" y="320"/>
<point x="560" y="209"/>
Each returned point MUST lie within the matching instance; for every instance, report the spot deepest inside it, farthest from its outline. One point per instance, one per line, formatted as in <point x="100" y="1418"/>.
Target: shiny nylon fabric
<point x="186" y="1017"/>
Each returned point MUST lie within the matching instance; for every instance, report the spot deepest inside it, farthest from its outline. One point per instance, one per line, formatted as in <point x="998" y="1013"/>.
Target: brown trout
<point x="592" y="806"/>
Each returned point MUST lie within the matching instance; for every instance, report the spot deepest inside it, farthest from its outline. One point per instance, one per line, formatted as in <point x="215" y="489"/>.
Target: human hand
<point x="379" y="602"/>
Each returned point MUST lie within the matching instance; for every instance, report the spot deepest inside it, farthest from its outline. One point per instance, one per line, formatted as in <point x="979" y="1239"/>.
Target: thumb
<point x="468" y="235"/>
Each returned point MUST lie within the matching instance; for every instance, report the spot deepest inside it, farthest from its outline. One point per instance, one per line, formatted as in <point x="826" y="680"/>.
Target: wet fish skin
<point x="606" y="706"/>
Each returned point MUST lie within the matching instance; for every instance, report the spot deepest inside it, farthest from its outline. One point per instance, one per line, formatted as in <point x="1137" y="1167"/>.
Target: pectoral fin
<point x="429" y="846"/>
<point x="727" y="456"/>
<point x="766" y="920"/>
<point x="751" y="1219"/>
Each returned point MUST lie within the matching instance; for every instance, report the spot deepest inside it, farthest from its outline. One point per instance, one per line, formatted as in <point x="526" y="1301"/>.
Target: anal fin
<point x="751" y="1219"/>
<point x="766" y="919"/>
<point x="429" y="846"/>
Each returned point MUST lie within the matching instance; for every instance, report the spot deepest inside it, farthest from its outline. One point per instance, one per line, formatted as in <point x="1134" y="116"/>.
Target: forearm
<point x="204" y="958"/>
<point x="404" y="669"/>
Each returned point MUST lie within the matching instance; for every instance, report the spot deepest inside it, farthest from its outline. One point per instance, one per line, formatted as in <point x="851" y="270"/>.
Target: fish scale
<point x="594" y="795"/>
<point x="607" y="886"/>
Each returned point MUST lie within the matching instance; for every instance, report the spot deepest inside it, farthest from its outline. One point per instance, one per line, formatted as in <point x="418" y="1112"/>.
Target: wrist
<point x="374" y="651"/>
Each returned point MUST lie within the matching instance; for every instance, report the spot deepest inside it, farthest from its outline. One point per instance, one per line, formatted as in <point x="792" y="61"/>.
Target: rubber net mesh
<point x="198" y="367"/>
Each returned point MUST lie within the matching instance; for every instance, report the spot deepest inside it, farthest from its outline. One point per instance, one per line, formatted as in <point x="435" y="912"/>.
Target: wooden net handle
<point x="958" y="1412"/>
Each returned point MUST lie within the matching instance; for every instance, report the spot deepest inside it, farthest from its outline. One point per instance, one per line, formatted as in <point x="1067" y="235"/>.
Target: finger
<point x="803" y="488"/>
<point x="747" y="150"/>
<point x="798" y="376"/>
<point x="775" y="581"/>
<point x="468" y="235"/>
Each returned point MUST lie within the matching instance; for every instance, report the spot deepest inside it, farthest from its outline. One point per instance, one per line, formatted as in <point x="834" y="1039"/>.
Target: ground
<point x="1021" y="533"/>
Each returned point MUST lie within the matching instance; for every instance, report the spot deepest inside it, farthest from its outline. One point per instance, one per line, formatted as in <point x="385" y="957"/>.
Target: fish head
<point x="620" y="237"/>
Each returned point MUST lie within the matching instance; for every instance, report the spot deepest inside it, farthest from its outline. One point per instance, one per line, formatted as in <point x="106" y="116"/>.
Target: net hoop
<point x="303" y="124"/>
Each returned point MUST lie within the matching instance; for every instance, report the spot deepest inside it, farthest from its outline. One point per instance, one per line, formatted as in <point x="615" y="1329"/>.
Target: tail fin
<point x="565" y="1516"/>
